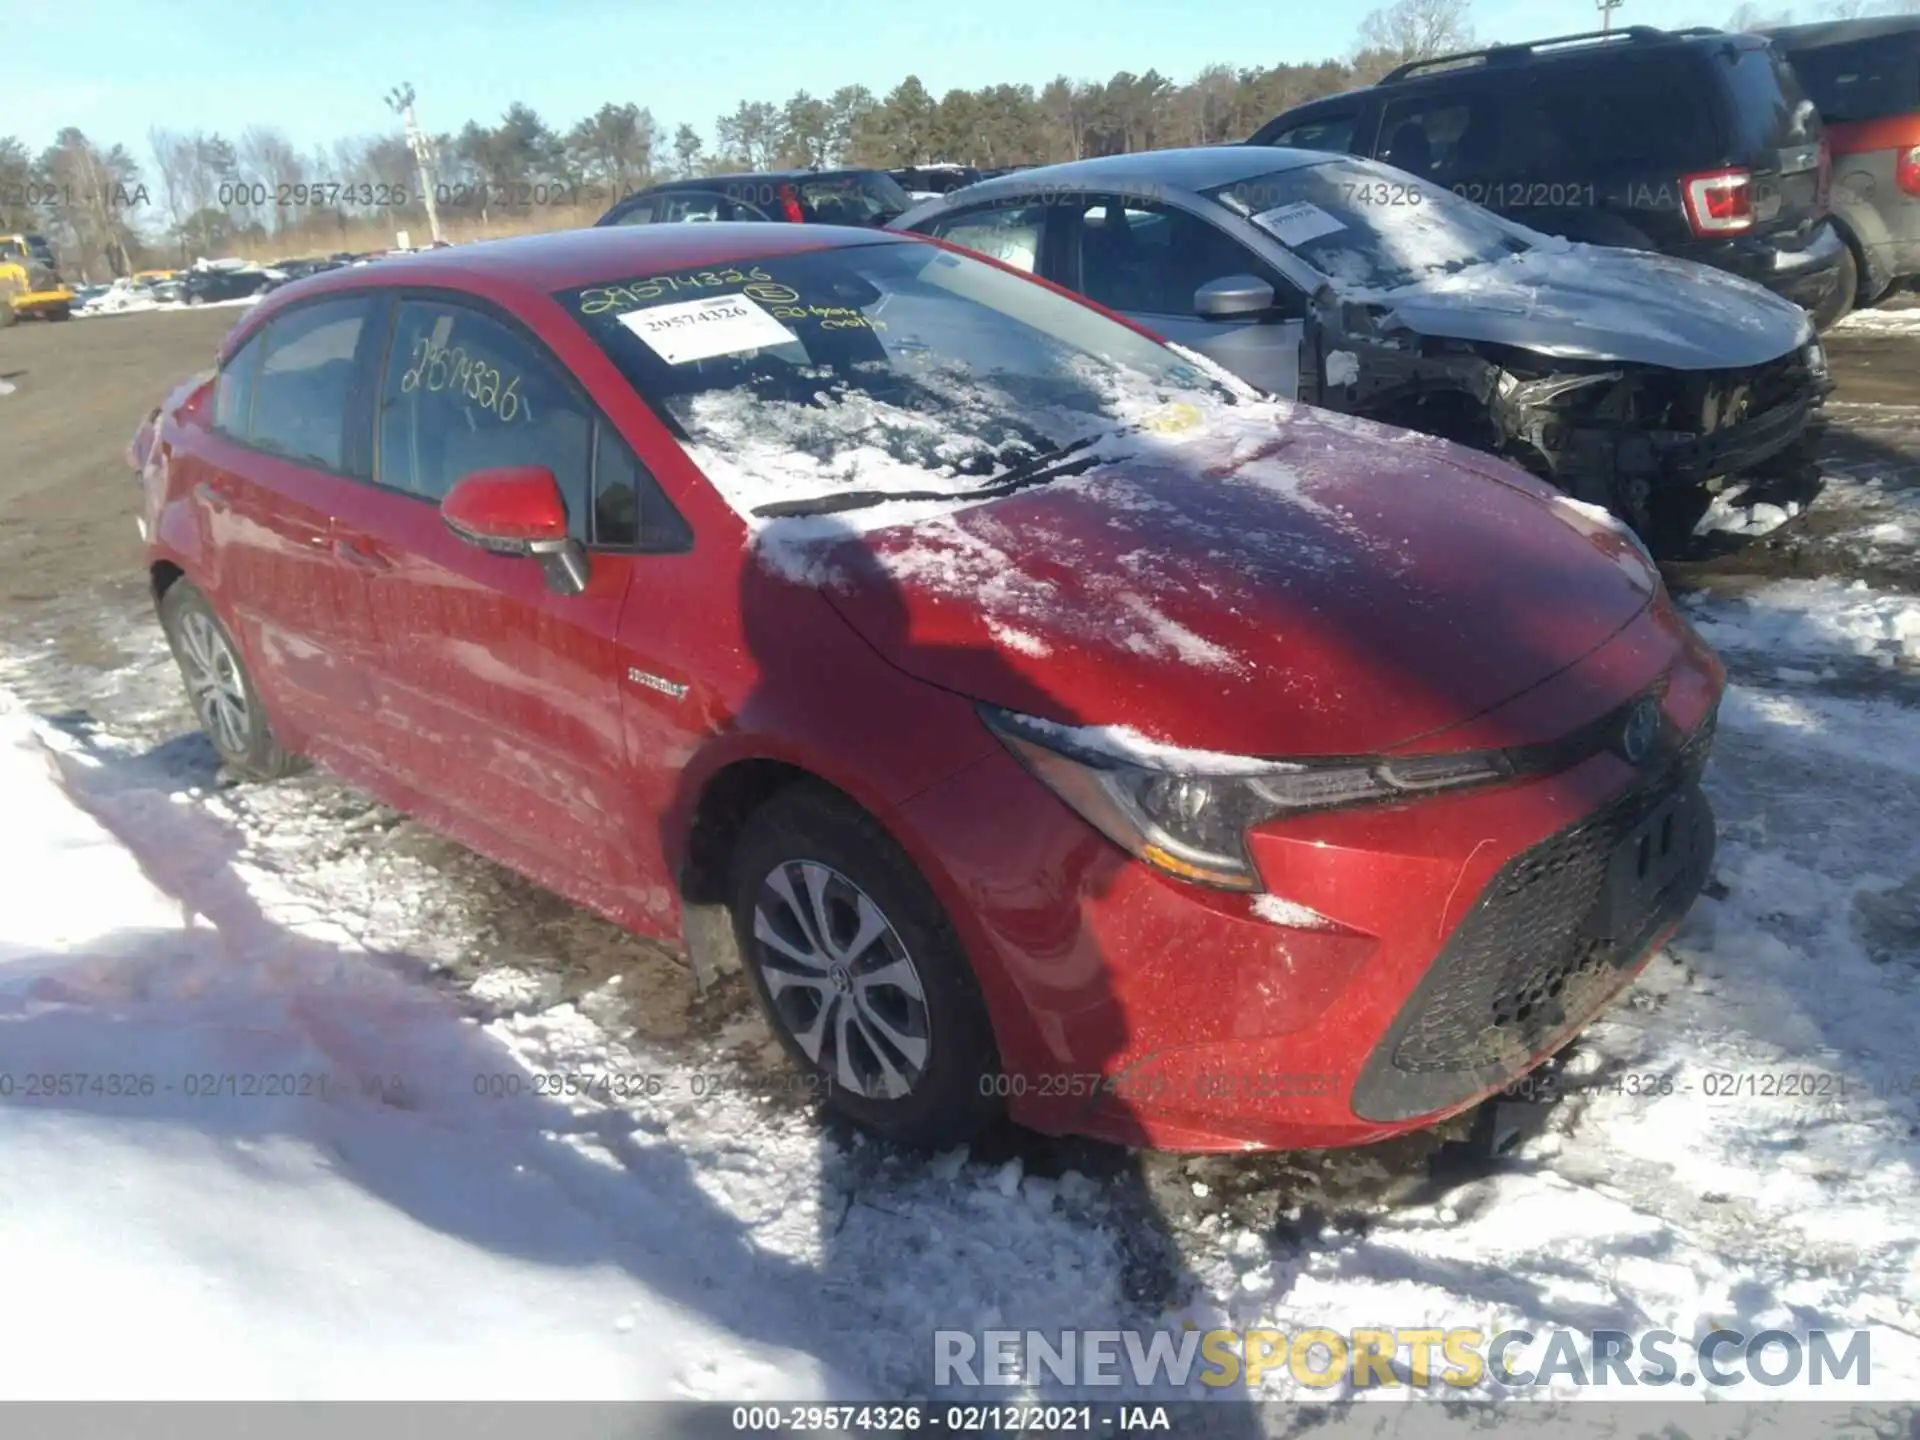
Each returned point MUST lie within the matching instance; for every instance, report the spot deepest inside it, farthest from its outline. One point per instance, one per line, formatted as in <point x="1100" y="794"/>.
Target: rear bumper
<point x="1807" y="273"/>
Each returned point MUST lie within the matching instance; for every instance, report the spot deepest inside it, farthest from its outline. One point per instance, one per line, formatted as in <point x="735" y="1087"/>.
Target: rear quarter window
<point x="1010" y="232"/>
<point x="1767" y="108"/>
<point x="1575" y="124"/>
<point x="1321" y="132"/>
<point x="1867" y="81"/>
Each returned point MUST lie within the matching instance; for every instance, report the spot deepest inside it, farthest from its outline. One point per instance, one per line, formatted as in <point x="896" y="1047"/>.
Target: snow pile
<point x="247" y="1158"/>
<point x="840" y="438"/>
<point x="1726" y="514"/>
<point x="1814" y="617"/>
<point x="1905" y="320"/>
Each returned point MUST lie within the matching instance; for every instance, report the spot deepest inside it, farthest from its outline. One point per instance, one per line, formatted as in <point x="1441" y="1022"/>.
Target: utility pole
<point x="400" y="101"/>
<point x="1607" y="7"/>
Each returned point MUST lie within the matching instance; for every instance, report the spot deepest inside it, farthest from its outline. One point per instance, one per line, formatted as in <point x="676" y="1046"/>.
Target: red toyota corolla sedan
<point x="1046" y="721"/>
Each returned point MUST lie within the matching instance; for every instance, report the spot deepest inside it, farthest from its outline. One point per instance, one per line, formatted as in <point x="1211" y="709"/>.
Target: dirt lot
<point x="66" y="497"/>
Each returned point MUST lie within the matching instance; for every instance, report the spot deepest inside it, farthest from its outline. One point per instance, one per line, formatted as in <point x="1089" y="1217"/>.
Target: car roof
<point x="536" y="265"/>
<point x="1604" y="46"/>
<point x="1821" y="33"/>
<point x="1199" y="168"/>
<point x="1440" y="71"/>
<point x="697" y="182"/>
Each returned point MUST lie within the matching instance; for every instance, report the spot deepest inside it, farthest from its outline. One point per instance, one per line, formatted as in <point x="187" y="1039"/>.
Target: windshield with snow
<point x="1368" y="227"/>
<point x="896" y="370"/>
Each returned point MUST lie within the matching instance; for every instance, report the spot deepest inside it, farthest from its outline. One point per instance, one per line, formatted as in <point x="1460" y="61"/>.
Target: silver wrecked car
<point x="1629" y="379"/>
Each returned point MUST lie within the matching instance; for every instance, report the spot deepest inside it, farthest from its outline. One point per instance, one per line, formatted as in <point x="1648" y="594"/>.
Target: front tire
<point x="221" y="691"/>
<point x="859" y="973"/>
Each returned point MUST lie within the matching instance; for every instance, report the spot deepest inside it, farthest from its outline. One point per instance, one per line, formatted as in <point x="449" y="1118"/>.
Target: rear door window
<point x="862" y="198"/>
<point x="1452" y="138"/>
<point x="305" y="382"/>
<point x="638" y="213"/>
<point x="684" y="205"/>
<point x="1332" y="130"/>
<point x="1010" y="233"/>
<point x="673" y="206"/>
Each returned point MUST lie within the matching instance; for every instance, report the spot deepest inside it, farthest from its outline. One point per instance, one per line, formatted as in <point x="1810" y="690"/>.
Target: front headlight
<point x="1187" y="813"/>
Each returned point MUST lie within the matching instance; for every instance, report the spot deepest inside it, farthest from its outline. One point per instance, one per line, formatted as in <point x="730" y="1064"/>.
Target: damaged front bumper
<point x="1618" y="434"/>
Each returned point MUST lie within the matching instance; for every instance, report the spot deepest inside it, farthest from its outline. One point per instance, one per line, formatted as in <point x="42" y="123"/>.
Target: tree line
<point x="202" y="194"/>
<point x="206" y="194"/>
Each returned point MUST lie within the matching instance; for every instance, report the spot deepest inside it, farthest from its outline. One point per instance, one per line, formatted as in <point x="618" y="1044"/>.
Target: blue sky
<point x="318" y="70"/>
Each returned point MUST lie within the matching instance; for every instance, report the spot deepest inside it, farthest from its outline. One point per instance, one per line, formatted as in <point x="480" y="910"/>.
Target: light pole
<point x="1607" y="7"/>
<point x="400" y="101"/>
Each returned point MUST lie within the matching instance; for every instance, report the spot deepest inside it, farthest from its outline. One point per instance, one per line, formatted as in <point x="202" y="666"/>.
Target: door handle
<point x="360" y="558"/>
<point x="213" y="496"/>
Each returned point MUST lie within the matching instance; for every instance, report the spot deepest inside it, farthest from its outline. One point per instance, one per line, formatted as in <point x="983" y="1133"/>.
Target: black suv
<point x="1698" y="143"/>
<point x="813" y="197"/>
<point x="204" y="286"/>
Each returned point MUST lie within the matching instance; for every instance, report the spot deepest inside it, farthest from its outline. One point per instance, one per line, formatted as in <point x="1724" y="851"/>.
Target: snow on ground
<point x="198" y="1179"/>
<point x="1726" y="513"/>
<point x="1738" y="1145"/>
<point x="1817" y="619"/>
<point x="141" y="305"/>
<point x="1902" y="321"/>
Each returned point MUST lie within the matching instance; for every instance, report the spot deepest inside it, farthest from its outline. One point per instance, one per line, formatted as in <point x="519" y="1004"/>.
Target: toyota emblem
<point x="1640" y="731"/>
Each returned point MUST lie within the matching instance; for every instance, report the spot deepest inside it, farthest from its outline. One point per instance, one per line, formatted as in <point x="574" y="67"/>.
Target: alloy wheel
<point x="841" y="981"/>
<point x="214" y="684"/>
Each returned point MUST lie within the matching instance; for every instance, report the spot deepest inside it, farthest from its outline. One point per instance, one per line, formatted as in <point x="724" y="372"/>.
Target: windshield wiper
<point x="1034" y="470"/>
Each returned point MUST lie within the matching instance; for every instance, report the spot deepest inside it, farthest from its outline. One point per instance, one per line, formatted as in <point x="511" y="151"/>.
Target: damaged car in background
<point x="1628" y="379"/>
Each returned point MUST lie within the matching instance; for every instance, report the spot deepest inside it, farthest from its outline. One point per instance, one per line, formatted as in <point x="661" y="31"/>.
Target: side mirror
<point x="1231" y="296"/>
<point x="517" y="510"/>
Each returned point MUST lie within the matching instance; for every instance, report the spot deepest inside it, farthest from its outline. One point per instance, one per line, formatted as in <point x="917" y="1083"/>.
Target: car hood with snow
<point x="1590" y="302"/>
<point x="1286" y="583"/>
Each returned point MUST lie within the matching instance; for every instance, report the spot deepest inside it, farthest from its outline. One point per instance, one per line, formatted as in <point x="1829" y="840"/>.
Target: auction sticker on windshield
<point x="1294" y="225"/>
<point x="702" y="329"/>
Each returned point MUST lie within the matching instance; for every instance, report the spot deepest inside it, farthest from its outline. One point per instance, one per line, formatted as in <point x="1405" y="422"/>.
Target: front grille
<point x="1544" y="945"/>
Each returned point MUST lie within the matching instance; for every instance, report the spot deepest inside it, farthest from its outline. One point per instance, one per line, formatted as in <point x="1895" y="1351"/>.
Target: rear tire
<point x="219" y="688"/>
<point x="859" y="972"/>
<point x="1847" y="292"/>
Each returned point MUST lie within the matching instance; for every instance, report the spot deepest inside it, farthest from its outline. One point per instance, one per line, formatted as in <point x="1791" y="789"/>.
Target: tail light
<point x="1718" y="202"/>
<point x="790" y="205"/>
<point x="1906" y="169"/>
<point x="1823" y="178"/>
